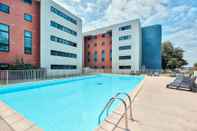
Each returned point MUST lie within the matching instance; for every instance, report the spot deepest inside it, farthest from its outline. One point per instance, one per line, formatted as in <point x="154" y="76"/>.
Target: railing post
<point x="34" y="72"/>
<point x="7" y="77"/>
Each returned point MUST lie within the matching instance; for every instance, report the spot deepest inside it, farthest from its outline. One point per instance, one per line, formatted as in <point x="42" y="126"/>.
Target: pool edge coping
<point x="16" y="121"/>
<point x="133" y="94"/>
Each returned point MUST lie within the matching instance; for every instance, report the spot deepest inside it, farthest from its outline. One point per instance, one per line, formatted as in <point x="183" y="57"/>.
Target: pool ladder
<point x="109" y="104"/>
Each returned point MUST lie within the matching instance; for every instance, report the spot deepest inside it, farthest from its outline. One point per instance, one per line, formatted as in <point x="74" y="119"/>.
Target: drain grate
<point x="99" y="83"/>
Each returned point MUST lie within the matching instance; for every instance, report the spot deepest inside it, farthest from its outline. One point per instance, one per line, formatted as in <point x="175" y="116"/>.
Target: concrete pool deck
<point x="10" y="120"/>
<point x="156" y="108"/>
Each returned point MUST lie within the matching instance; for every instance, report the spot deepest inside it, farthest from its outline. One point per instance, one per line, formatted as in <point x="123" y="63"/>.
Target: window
<point x="103" y="35"/>
<point x="88" y="56"/>
<point x="4" y="66"/>
<point x="89" y="38"/>
<point x="103" y="55"/>
<point x="63" y="15"/>
<point x="110" y="54"/>
<point x="4" y="38"/>
<point x="4" y="8"/>
<point x="94" y="37"/>
<point x="63" y="67"/>
<point x="95" y="44"/>
<point x="127" y="47"/>
<point x="63" y="54"/>
<point x="126" y="37"/>
<point x="124" y="57"/>
<point x="103" y="43"/>
<point x="63" y="28"/>
<point x="28" y="1"/>
<point x="95" y="56"/>
<point x="88" y="46"/>
<point x="109" y="33"/>
<point x="125" y="67"/>
<point x="128" y="27"/>
<point x="28" y="17"/>
<point x="63" y="41"/>
<point x="28" y="42"/>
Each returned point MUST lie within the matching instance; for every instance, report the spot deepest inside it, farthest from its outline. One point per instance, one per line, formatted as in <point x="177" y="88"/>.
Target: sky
<point x="177" y="17"/>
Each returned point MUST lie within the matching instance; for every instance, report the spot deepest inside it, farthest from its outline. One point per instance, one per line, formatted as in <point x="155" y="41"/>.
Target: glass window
<point x="63" y="28"/>
<point x="4" y="66"/>
<point x="103" y="55"/>
<point x="4" y="8"/>
<point x="128" y="27"/>
<point x="28" y="1"/>
<point x="88" y="56"/>
<point x="125" y="67"/>
<point x="127" y="47"/>
<point x="126" y="37"/>
<point x="28" y="42"/>
<point x="63" y="67"/>
<point x="124" y="57"/>
<point x="4" y="38"/>
<point x="28" y="17"/>
<point x="63" y="41"/>
<point x="63" y="15"/>
<point x="63" y="54"/>
<point x="95" y="56"/>
<point x="110" y="54"/>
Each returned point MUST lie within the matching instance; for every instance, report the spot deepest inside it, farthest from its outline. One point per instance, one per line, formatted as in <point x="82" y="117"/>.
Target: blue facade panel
<point x="151" y="47"/>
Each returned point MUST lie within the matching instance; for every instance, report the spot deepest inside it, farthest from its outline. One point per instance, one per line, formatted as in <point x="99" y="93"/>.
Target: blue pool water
<point x="71" y="104"/>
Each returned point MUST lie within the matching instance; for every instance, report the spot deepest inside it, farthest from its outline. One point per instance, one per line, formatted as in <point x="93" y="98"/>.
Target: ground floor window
<point x="63" y="67"/>
<point x="4" y="66"/>
<point x="95" y="56"/>
<point x="4" y="38"/>
<point x="125" y="67"/>
<point x="103" y="55"/>
<point x="28" y="42"/>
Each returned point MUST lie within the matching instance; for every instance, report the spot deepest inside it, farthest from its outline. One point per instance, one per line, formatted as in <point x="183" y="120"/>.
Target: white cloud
<point x="121" y="10"/>
<point x="88" y="7"/>
<point x="76" y="1"/>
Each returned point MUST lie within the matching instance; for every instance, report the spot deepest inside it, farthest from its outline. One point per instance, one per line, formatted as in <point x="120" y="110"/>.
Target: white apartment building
<point x="124" y="35"/>
<point x="61" y="39"/>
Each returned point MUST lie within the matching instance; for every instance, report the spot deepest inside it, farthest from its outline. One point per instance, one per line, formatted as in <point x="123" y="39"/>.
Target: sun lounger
<point x="183" y="83"/>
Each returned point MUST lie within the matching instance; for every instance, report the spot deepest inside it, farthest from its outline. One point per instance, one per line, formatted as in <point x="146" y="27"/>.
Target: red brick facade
<point x="98" y="43"/>
<point x="17" y="25"/>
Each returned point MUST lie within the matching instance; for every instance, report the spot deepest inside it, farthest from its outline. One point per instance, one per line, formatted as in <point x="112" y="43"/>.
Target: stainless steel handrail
<point x="130" y="104"/>
<point x="109" y="103"/>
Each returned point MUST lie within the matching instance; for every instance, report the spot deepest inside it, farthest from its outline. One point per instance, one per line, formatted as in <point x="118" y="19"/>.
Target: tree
<point x="172" y="58"/>
<point x="195" y="66"/>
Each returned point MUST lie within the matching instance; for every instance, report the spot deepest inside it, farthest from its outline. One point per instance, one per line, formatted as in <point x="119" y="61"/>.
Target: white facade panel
<point x="134" y="52"/>
<point x="47" y="45"/>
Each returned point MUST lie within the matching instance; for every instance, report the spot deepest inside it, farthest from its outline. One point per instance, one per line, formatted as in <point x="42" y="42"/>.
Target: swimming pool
<point x="71" y="104"/>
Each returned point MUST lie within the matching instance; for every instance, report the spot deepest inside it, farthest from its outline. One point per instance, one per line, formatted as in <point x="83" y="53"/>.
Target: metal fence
<point x="17" y="76"/>
<point x="12" y="76"/>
